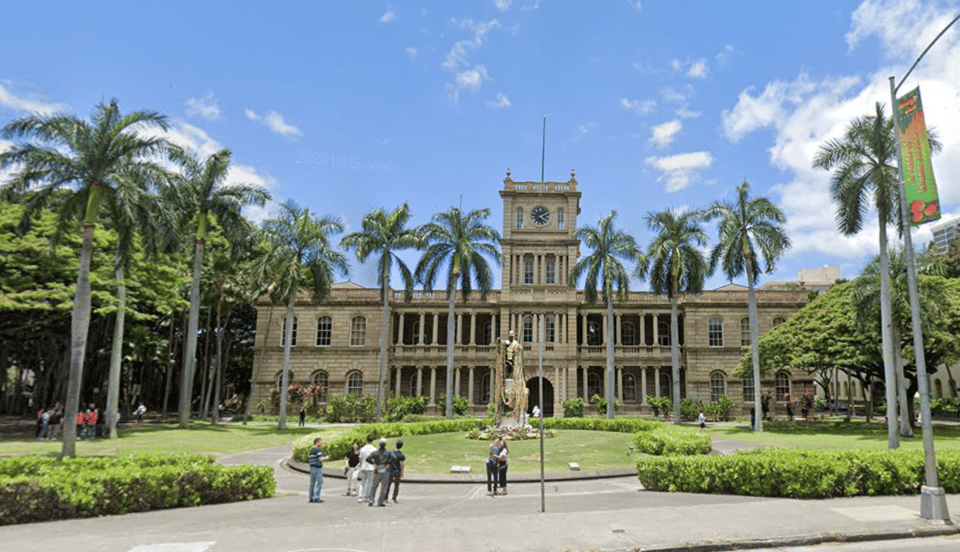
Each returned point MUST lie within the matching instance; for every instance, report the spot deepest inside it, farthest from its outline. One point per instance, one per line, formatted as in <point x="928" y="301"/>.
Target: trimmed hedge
<point x="617" y="425"/>
<point x="797" y="473"/>
<point x="672" y="441"/>
<point x="337" y="446"/>
<point x="42" y="489"/>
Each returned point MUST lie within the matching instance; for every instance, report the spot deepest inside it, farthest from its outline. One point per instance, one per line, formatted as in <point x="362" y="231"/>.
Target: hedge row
<point x="797" y="473"/>
<point x="41" y="489"/>
<point x="616" y="425"/>
<point x="337" y="445"/>
<point x="670" y="440"/>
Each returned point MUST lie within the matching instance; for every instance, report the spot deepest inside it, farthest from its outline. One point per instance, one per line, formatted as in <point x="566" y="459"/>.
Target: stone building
<point x="336" y="345"/>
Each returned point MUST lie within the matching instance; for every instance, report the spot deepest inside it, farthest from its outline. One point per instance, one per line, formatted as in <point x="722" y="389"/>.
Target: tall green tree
<point x="384" y="234"/>
<point x="299" y="256"/>
<point x="100" y="161"/>
<point x="603" y="269"/>
<point x="203" y="197"/>
<point x="863" y="162"/>
<point x="457" y="245"/>
<point x="745" y="226"/>
<point x="675" y="267"/>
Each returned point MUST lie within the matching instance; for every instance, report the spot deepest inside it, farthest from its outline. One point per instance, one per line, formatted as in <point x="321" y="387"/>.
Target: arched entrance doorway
<point x="534" y="387"/>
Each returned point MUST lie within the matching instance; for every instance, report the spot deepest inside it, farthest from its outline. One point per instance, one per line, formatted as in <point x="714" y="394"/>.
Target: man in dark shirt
<point x="381" y="462"/>
<point x="396" y="470"/>
<point x="316" y="470"/>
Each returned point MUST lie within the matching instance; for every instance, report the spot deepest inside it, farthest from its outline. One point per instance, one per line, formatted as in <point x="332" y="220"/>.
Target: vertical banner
<point x="919" y="186"/>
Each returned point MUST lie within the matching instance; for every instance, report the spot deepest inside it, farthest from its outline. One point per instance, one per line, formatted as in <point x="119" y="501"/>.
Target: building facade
<point x="336" y="344"/>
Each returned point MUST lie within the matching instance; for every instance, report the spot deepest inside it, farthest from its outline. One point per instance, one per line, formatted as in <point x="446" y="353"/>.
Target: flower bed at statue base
<point x="798" y="473"/>
<point x="42" y="489"/>
<point x="509" y="434"/>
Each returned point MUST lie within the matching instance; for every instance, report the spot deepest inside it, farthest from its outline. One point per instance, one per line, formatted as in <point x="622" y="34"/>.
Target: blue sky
<point x="349" y="106"/>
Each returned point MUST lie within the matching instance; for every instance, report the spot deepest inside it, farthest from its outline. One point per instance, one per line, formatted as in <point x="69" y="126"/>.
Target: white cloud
<point x="676" y="64"/>
<point x="582" y="130"/>
<point x="411" y="51"/>
<point x="531" y="6"/>
<point x="8" y="98"/>
<point x="801" y="114"/>
<point x="207" y="107"/>
<point x="663" y="135"/>
<point x="681" y="170"/>
<point x="685" y="113"/>
<point x="502" y="5"/>
<point x="388" y="16"/>
<point x="698" y="69"/>
<point x="724" y="55"/>
<point x="669" y="94"/>
<point x="501" y="101"/>
<point x="635" y="4"/>
<point x="471" y="79"/>
<point x="640" y="107"/>
<point x="275" y="122"/>
<point x="467" y="75"/>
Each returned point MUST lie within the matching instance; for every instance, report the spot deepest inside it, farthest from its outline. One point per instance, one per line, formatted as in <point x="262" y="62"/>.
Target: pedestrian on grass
<point x="502" y="466"/>
<point x="396" y="470"/>
<point x="366" y="471"/>
<point x="493" y="475"/>
<point x="350" y="468"/>
<point x="140" y="411"/>
<point x="303" y="417"/>
<point x="703" y="420"/>
<point x="380" y="460"/>
<point x="316" y="470"/>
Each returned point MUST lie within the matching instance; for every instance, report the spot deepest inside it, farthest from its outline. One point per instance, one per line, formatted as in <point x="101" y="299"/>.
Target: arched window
<point x="279" y="378"/>
<point x="550" y="329"/>
<point x="358" y="331"/>
<point x="560" y="219"/>
<point x="593" y="385"/>
<point x="665" y="390"/>
<point x="629" y="389"/>
<point x="551" y="272"/>
<point x="324" y="331"/>
<point x="283" y="332"/>
<point x="663" y="333"/>
<point x="745" y="331"/>
<point x="528" y="271"/>
<point x="628" y="333"/>
<point x="782" y="386"/>
<point x="593" y="333"/>
<point x="718" y="386"/>
<point x="778" y="320"/>
<point x="748" y="389"/>
<point x="355" y="383"/>
<point x="519" y="217"/>
<point x="485" y="389"/>
<point x="322" y="380"/>
<point x="527" y="329"/>
<point x="715" y="332"/>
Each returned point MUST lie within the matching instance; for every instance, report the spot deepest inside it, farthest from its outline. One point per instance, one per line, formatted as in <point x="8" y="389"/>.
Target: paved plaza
<point x="612" y="513"/>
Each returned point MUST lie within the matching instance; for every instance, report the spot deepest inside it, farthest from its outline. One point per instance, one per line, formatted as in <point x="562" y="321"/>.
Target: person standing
<point x="502" y="467"/>
<point x="349" y="470"/>
<point x="397" y="460"/>
<point x="492" y="474"/>
<point x="381" y="462"/>
<point x="316" y="470"/>
<point x="703" y="420"/>
<point x="140" y="411"/>
<point x="303" y="416"/>
<point x="366" y="470"/>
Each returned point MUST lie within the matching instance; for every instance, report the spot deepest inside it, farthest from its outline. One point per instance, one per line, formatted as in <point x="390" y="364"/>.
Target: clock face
<point x="540" y="215"/>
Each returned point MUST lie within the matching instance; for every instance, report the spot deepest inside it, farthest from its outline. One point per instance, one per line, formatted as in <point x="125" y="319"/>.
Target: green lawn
<point x="832" y="435"/>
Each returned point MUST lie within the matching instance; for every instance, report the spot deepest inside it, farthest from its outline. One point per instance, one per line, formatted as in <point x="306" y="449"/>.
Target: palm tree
<point x="203" y="198"/>
<point x="299" y="255"/>
<point x="99" y="162"/>
<point x="384" y="234"/>
<point x="604" y="269"/>
<point x="746" y="225"/>
<point x="675" y="267"/>
<point x="864" y="163"/>
<point x="458" y="242"/>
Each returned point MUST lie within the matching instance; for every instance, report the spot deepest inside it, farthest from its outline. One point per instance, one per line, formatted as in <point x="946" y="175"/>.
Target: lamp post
<point x="933" y="499"/>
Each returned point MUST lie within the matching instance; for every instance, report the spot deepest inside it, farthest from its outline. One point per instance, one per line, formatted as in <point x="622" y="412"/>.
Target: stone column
<point x="643" y="383"/>
<point x="419" y="381"/>
<point x="459" y="329"/>
<point x="436" y="322"/>
<point x="619" y="332"/>
<point x="557" y="390"/>
<point x="620" y="383"/>
<point x="473" y="328"/>
<point x="470" y="395"/>
<point x="586" y="392"/>
<point x="400" y="330"/>
<point x="420" y="329"/>
<point x="656" y="381"/>
<point x="399" y="379"/>
<point x="583" y="325"/>
<point x="656" y="334"/>
<point x="456" y="381"/>
<point x="643" y="330"/>
<point x="433" y="385"/>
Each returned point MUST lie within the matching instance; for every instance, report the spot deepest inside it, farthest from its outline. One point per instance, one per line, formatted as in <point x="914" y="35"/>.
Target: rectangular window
<point x="551" y="272"/>
<point x="715" y="332"/>
<point x="528" y="272"/>
<point x="358" y="332"/>
<point x="324" y="330"/>
<point x="748" y="390"/>
<point x="283" y="334"/>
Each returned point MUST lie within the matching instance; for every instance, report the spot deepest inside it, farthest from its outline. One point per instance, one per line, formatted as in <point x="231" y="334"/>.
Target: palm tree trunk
<point x="611" y="389"/>
<point x="675" y="356"/>
<point x="906" y="429"/>
<point x="116" y="356"/>
<point x="451" y="328"/>
<point x="886" y="333"/>
<point x="266" y="336"/>
<point x="204" y="409"/>
<point x="754" y="345"/>
<point x="79" y="327"/>
<point x="384" y="330"/>
<point x="215" y="419"/>
<point x="190" y="346"/>
<point x="287" y="345"/>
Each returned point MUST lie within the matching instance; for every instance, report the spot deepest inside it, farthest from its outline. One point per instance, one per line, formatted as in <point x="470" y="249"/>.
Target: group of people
<point x="90" y="422"/>
<point x="370" y="471"/>
<point x="49" y="422"/>
<point x="497" y="467"/>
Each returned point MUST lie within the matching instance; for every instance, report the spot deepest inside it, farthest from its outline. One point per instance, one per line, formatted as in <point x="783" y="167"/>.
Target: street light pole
<point x="933" y="499"/>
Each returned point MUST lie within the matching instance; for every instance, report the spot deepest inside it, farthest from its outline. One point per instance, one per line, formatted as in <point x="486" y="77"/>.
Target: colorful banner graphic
<point x="919" y="185"/>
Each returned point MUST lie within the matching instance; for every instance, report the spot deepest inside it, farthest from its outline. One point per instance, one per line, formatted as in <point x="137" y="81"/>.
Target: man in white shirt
<point x="366" y="471"/>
